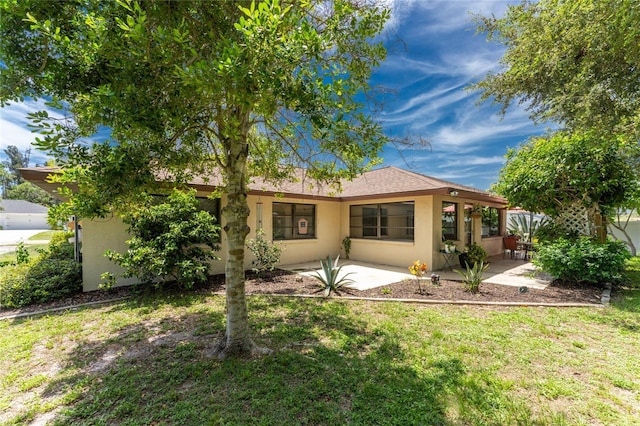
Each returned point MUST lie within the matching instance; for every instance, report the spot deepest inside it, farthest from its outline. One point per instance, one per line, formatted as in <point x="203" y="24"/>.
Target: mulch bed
<point x="282" y="282"/>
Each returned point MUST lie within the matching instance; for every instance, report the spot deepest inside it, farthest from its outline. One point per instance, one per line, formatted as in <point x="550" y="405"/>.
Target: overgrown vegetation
<point x="172" y="238"/>
<point x="583" y="260"/>
<point x="547" y="174"/>
<point x="267" y="254"/>
<point x="51" y="275"/>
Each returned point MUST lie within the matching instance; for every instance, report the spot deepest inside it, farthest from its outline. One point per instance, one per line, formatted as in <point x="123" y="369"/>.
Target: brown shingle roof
<point x="393" y="180"/>
<point x="384" y="182"/>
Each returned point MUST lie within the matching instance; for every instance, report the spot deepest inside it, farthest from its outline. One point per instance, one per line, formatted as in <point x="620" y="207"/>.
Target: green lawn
<point x="31" y="248"/>
<point x="45" y="235"/>
<point x="632" y="272"/>
<point x="334" y="362"/>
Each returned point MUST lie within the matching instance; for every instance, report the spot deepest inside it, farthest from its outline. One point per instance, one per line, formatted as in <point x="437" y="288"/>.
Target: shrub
<point x="172" y="238"/>
<point x="54" y="274"/>
<point x="60" y="247"/>
<point x="583" y="260"/>
<point x="267" y="255"/>
<point x="476" y="254"/>
<point x="472" y="276"/>
<point x="22" y="254"/>
<point x="346" y="244"/>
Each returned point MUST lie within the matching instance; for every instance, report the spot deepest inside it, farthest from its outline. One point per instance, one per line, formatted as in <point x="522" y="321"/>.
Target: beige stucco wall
<point x="102" y="234"/>
<point x="99" y="235"/>
<point x="394" y="253"/>
<point x="493" y="245"/>
<point x="326" y="241"/>
<point x="332" y="225"/>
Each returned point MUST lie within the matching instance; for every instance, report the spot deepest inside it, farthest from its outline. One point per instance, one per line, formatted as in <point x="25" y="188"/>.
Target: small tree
<point x="267" y="254"/>
<point x="168" y="239"/>
<point x="15" y="160"/>
<point x="549" y="173"/>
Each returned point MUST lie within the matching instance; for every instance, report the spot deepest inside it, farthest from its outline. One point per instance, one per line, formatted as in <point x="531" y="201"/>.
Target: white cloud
<point x="470" y="161"/>
<point x="423" y="104"/>
<point x="14" y="130"/>
<point x="399" y="10"/>
<point x="447" y="16"/>
<point x="481" y="131"/>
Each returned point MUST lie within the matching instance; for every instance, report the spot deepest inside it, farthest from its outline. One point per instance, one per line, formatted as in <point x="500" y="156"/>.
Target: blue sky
<point x="439" y="55"/>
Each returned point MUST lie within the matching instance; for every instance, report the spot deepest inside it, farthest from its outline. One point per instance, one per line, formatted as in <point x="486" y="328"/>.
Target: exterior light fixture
<point x="435" y="279"/>
<point x="453" y="193"/>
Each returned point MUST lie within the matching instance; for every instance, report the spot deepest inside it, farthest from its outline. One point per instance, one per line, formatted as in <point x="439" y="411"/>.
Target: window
<point x="212" y="206"/>
<point x="389" y="221"/>
<point x="449" y="221"/>
<point x="294" y="221"/>
<point x="490" y="222"/>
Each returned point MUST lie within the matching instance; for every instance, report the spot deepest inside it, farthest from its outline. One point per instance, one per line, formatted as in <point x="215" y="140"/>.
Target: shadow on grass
<point x="329" y="367"/>
<point x="625" y="309"/>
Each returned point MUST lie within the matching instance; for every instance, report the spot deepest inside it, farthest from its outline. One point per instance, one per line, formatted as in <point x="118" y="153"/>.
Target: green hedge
<point x="583" y="260"/>
<point x="52" y="275"/>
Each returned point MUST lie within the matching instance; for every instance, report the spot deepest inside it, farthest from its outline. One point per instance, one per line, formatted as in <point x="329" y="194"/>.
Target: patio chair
<point x="511" y="245"/>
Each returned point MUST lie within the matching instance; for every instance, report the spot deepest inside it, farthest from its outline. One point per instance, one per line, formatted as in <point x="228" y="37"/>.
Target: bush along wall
<point x="51" y="275"/>
<point x="583" y="260"/>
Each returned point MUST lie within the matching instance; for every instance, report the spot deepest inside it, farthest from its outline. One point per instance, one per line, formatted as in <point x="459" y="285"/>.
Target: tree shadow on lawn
<point x="328" y="367"/>
<point x="624" y="311"/>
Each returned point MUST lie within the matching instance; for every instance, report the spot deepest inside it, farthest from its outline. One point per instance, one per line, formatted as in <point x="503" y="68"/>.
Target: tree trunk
<point x="627" y="238"/>
<point x="237" y="340"/>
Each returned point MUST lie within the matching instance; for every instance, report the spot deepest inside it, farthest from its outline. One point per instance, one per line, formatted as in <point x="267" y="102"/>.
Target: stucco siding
<point x="102" y="234"/>
<point x="327" y="229"/>
<point x="389" y="251"/>
<point x="99" y="235"/>
<point x="332" y="224"/>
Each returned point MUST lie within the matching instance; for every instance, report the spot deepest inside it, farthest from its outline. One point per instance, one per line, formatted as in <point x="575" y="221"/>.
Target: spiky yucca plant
<point x="472" y="277"/>
<point x="330" y="279"/>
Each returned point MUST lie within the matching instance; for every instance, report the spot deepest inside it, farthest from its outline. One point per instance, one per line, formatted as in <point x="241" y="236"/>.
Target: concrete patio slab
<point x="510" y="272"/>
<point x="507" y="271"/>
<point x="364" y="275"/>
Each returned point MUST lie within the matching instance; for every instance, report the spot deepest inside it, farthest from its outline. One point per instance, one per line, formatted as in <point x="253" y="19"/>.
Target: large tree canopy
<point x="195" y="86"/>
<point x="573" y="62"/>
<point x="549" y="173"/>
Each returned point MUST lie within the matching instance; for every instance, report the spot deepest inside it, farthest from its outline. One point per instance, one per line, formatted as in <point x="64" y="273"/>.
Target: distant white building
<point x="20" y="214"/>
